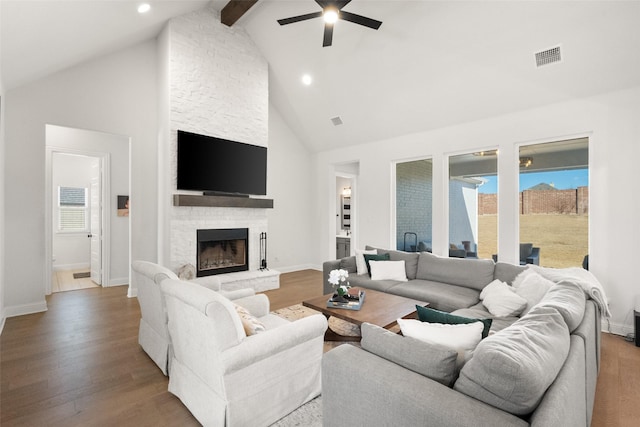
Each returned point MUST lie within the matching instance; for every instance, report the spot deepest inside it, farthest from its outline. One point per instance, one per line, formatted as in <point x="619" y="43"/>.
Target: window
<point x="554" y="203"/>
<point x="72" y="209"/>
<point x="473" y="204"/>
<point x="414" y="188"/>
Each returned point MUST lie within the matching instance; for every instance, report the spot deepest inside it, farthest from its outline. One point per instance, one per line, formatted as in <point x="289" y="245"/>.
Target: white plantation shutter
<point x="73" y="209"/>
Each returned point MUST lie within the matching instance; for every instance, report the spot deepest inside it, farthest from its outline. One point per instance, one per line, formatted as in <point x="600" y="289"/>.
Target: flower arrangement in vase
<point x="338" y="278"/>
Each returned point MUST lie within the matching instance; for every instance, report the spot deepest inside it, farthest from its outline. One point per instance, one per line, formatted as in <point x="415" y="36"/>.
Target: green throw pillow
<point x="367" y="258"/>
<point x="430" y="315"/>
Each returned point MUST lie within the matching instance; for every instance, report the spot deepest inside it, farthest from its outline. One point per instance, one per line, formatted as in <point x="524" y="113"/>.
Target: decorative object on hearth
<point x="331" y="12"/>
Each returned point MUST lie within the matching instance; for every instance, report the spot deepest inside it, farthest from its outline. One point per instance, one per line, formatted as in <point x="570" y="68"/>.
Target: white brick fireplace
<point x="214" y="81"/>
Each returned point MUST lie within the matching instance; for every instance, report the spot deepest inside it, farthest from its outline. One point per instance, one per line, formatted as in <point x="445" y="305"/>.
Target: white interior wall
<point x="291" y="242"/>
<point x="71" y="250"/>
<point x="114" y="94"/>
<point x="2" y="238"/>
<point x="610" y="121"/>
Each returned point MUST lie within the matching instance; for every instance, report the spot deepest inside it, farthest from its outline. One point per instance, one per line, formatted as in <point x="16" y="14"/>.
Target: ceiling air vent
<point x="337" y="121"/>
<point x="548" y="56"/>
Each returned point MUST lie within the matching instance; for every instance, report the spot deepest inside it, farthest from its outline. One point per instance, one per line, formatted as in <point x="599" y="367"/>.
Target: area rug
<point x="308" y="415"/>
<point x="298" y="311"/>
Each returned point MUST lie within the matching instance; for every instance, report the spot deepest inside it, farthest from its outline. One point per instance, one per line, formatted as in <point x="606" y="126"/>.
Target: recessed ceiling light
<point x="144" y="8"/>
<point x="306" y="79"/>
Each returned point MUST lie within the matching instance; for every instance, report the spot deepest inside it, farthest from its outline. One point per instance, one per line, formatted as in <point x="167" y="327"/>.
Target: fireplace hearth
<point x="222" y="251"/>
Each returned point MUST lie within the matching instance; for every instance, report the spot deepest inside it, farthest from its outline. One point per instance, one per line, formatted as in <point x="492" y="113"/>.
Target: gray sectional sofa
<point x="539" y="369"/>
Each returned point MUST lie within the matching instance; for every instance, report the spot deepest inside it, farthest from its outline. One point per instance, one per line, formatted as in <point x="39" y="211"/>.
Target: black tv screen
<point x="216" y="165"/>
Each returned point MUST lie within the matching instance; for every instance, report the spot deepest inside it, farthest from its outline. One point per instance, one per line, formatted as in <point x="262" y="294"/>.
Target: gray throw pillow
<point x="433" y="361"/>
<point x="513" y="368"/>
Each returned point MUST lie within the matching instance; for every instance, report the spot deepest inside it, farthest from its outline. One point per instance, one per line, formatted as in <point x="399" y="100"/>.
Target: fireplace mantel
<point x="221" y="201"/>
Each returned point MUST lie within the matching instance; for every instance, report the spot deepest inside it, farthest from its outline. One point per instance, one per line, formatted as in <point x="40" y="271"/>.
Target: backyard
<point x="562" y="239"/>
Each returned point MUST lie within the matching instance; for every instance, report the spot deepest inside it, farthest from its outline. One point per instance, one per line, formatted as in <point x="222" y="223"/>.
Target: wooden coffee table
<point x="379" y="308"/>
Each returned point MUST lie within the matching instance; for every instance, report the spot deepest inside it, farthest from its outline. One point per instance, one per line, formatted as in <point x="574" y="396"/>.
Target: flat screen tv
<point x="219" y="166"/>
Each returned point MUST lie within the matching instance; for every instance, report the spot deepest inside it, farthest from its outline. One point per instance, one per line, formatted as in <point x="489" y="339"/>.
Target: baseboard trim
<point x="292" y="268"/>
<point x="79" y="266"/>
<point x="21" y="310"/>
<point x="119" y="281"/>
<point x="617" y="328"/>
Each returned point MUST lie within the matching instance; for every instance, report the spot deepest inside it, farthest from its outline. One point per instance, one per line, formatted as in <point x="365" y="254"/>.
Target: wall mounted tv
<point x="219" y="166"/>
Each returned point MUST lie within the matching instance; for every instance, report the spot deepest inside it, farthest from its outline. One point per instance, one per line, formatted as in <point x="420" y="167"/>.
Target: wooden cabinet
<point x="343" y="247"/>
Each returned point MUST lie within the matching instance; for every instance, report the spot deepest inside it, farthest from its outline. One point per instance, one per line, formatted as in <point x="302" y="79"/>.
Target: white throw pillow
<point x="495" y="284"/>
<point x="533" y="288"/>
<point x="388" y="270"/>
<point x="520" y="277"/>
<point x="501" y="301"/>
<point x="361" y="265"/>
<point x="462" y="338"/>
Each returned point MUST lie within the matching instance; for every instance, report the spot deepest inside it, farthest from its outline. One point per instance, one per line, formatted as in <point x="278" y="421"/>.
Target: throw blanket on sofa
<point x="584" y="278"/>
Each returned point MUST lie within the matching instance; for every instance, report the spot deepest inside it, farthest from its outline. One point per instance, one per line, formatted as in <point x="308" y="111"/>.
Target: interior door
<point x="96" y="225"/>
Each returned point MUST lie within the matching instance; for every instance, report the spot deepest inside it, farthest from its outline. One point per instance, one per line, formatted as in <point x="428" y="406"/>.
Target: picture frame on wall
<point x="123" y="205"/>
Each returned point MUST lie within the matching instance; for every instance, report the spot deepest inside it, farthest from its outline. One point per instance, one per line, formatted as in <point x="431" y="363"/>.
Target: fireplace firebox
<point x="222" y="251"/>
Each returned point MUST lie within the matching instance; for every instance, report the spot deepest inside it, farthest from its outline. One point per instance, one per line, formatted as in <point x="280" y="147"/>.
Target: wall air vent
<point x="548" y="56"/>
<point x="337" y="121"/>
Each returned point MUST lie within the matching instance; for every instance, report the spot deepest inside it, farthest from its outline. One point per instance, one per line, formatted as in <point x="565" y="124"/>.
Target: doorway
<point x="345" y="216"/>
<point x="76" y="221"/>
<point x="84" y="232"/>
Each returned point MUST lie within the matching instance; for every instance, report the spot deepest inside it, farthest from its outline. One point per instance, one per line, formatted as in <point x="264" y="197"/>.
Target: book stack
<point x="352" y="301"/>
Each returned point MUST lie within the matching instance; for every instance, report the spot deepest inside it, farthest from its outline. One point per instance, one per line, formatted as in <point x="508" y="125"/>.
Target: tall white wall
<point x="292" y="242"/>
<point x="114" y="94"/>
<point x="610" y="122"/>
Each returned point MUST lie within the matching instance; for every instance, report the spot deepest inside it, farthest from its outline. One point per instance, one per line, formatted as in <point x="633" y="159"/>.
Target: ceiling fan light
<point x="330" y="16"/>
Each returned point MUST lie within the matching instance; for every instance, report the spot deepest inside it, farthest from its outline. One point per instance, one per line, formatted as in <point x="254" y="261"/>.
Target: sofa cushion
<point x="471" y="273"/>
<point x="480" y="311"/>
<point x="513" y="368"/>
<point x="433" y="361"/>
<point x="426" y="314"/>
<point x="349" y="264"/>
<point x="462" y="338"/>
<point x="502" y="301"/>
<point x="377" y="285"/>
<point x="374" y="257"/>
<point x="569" y="299"/>
<point x="532" y="288"/>
<point x="361" y="265"/>
<point x="410" y="259"/>
<point x="506" y="272"/>
<point x="388" y="270"/>
<point x="441" y="296"/>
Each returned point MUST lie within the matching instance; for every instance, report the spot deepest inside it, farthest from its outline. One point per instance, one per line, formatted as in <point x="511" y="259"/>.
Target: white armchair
<point x="226" y="378"/>
<point x="153" y="335"/>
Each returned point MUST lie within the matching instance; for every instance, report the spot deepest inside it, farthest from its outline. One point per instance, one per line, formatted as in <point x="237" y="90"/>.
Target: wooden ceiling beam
<point x="234" y="11"/>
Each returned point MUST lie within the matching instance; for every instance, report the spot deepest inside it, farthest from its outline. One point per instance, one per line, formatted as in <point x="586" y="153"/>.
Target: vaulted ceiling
<point x="431" y="64"/>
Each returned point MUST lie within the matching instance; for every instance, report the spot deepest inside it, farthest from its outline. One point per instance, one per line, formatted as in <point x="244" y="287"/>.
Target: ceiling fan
<point x="332" y="11"/>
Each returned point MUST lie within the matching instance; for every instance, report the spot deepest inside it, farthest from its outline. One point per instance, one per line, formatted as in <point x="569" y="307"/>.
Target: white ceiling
<point x="431" y="64"/>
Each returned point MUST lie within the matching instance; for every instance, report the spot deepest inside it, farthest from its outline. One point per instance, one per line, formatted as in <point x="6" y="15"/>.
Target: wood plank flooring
<point x="79" y="364"/>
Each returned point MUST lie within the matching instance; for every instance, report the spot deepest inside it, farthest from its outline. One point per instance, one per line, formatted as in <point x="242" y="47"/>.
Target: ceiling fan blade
<point x="299" y="18"/>
<point x="358" y="19"/>
<point x="328" y="35"/>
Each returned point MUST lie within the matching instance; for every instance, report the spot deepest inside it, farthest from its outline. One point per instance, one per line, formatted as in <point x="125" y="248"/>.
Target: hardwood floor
<point x="79" y="364"/>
